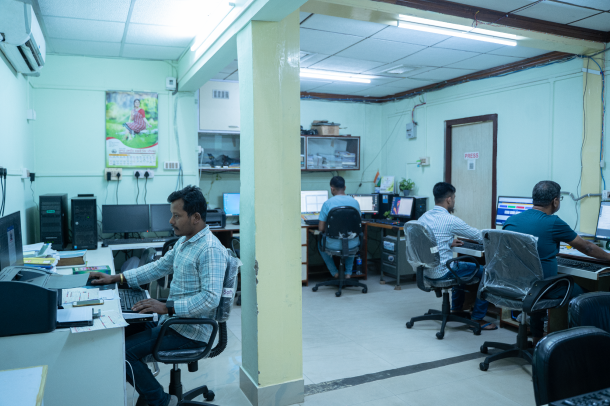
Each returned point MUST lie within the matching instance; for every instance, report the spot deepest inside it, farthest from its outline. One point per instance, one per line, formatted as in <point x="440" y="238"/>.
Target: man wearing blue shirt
<point x="339" y="199"/>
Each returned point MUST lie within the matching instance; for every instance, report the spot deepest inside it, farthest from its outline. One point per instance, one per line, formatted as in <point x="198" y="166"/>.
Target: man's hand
<point x="457" y="243"/>
<point x="150" y="306"/>
<point x="99" y="278"/>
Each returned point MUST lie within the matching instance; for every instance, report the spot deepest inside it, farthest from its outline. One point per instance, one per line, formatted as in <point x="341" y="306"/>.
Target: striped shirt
<point x="199" y="266"/>
<point x="445" y="227"/>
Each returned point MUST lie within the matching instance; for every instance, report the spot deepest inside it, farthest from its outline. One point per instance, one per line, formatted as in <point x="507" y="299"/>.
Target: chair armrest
<point x="540" y="287"/>
<point x="176" y="320"/>
<point x="461" y="259"/>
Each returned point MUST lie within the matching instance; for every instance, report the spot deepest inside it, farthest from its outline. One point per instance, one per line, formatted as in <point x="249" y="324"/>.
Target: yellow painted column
<point x="592" y="131"/>
<point x="272" y="361"/>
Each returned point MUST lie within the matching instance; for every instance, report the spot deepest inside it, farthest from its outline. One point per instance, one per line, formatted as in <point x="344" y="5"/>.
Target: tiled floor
<point x="359" y="334"/>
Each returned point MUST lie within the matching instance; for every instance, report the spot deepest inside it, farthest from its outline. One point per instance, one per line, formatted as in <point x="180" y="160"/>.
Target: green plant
<point x="406" y="184"/>
<point x="388" y="215"/>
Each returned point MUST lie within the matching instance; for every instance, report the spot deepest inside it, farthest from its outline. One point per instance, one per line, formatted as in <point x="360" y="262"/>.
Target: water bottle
<point x="358" y="267"/>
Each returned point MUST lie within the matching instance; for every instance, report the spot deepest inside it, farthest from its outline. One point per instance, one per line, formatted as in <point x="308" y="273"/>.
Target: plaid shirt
<point x="445" y="227"/>
<point x="199" y="266"/>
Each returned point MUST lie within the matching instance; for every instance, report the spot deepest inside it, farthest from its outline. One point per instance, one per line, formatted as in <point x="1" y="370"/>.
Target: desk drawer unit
<point x="393" y="257"/>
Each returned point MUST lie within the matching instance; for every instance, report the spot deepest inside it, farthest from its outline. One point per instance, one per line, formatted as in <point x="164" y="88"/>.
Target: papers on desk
<point x="76" y="295"/>
<point x="41" y="255"/>
<point x="109" y="319"/>
<point x="74" y="316"/>
<point x="69" y="259"/>
<point x="23" y="387"/>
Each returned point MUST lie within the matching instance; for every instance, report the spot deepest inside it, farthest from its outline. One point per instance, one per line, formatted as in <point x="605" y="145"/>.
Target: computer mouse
<point x="104" y="244"/>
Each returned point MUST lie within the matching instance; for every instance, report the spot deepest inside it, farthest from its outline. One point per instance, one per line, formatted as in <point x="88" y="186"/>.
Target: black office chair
<point x="590" y="309"/>
<point x="344" y="224"/>
<point x="235" y="247"/>
<point x="166" y="280"/>
<point x="422" y="254"/>
<point x="193" y="355"/>
<point x="514" y="279"/>
<point x="570" y="363"/>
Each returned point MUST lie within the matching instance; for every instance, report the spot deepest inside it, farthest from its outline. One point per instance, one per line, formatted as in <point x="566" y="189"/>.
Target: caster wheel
<point x="477" y="332"/>
<point x="365" y="290"/>
<point x="484" y="350"/>
<point x="315" y="289"/>
<point x="409" y="324"/>
<point x="210" y="396"/>
<point x="440" y="335"/>
<point x="337" y="294"/>
<point x="483" y="366"/>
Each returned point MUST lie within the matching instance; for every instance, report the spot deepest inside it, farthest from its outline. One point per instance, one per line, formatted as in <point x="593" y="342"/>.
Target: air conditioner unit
<point x="21" y="38"/>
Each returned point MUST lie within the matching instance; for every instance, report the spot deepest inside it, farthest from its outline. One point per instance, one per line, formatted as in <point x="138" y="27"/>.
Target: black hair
<point x="337" y="182"/>
<point x="442" y="190"/>
<point x="194" y="202"/>
<point x="544" y="192"/>
<point x="136" y="100"/>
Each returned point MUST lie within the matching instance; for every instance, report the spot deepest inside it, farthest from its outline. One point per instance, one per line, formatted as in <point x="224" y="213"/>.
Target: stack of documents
<point x="69" y="259"/>
<point x="40" y="255"/>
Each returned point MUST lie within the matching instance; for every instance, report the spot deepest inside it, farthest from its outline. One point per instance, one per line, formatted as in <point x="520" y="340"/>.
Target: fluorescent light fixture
<point x="333" y="78"/>
<point x="210" y="14"/>
<point x="338" y="74"/>
<point x="456" y="30"/>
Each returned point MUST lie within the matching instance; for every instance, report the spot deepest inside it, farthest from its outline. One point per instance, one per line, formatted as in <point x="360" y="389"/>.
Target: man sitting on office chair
<point x="550" y="230"/>
<point x="198" y="262"/>
<point x="445" y="227"/>
<point x="339" y="199"/>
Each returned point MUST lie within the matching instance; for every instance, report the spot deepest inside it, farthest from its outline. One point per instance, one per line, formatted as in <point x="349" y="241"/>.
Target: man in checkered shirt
<point x="198" y="263"/>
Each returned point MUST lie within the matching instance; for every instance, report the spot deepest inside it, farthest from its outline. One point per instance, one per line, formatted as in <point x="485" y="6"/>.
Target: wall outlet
<point x="115" y="173"/>
<point x="605" y="194"/>
<point x="425" y="161"/>
<point x="171" y="165"/>
<point x="151" y="173"/>
<point x="25" y="173"/>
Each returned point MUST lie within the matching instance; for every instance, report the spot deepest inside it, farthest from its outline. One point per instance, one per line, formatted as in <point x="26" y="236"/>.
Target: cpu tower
<point x="54" y="220"/>
<point x="420" y="206"/>
<point x="385" y="203"/>
<point x="84" y="223"/>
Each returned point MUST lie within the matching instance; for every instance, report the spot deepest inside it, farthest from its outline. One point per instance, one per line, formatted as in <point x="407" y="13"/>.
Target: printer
<point x="31" y="297"/>
<point x="216" y="218"/>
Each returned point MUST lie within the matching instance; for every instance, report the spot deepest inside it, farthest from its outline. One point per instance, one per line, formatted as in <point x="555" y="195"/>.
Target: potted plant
<point x="405" y="186"/>
<point x="388" y="215"/>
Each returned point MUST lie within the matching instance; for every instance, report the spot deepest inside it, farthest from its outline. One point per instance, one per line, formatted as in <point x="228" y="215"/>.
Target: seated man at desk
<point x="198" y="262"/>
<point x="550" y="230"/>
<point x="445" y="227"/>
<point x="339" y="199"/>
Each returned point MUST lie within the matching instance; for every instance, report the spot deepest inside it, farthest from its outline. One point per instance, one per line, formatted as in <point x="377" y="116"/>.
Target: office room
<point x="452" y="241"/>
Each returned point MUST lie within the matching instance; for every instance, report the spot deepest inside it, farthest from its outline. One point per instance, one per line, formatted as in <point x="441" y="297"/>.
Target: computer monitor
<point x="11" y="245"/>
<point x="402" y="207"/>
<point x="312" y="200"/>
<point x="125" y="218"/>
<point x="230" y="203"/>
<point x="160" y="215"/>
<point x="511" y="205"/>
<point x="603" y="222"/>
<point x="368" y="203"/>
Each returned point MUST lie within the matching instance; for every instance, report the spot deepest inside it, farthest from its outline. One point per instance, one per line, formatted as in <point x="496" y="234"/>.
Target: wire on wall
<point x="601" y="146"/>
<point x="145" y="188"/>
<point x="3" y="182"/>
<point x="33" y="197"/>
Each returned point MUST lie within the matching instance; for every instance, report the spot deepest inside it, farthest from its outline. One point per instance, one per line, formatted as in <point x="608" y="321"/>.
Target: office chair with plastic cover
<point x="343" y="224"/>
<point x="570" y="363"/>
<point x="165" y="281"/>
<point x="514" y="279"/>
<point x="590" y="309"/>
<point x="423" y="256"/>
<point x="236" y="247"/>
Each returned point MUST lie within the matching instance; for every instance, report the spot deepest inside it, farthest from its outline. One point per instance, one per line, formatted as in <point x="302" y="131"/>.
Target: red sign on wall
<point x="471" y="155"/>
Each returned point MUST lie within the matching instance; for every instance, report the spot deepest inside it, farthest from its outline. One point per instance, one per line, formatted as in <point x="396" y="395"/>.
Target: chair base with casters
<point x="341" y="282"/>
<point x="519" y="350"/>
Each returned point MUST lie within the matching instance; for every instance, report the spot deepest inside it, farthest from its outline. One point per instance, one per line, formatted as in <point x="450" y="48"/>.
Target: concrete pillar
<point x="272" y="364"/>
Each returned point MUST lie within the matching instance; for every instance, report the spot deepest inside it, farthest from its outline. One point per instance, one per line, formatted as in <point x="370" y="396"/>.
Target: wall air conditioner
<point x="21" y="39"/>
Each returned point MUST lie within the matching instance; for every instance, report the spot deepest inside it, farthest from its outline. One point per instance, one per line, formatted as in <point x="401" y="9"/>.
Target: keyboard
<point x="472" y="246"/>
<point x="120" y="241"/>
<point x="311" y="219"/>
<point x="130" y="297"/>
<point x="572" y="263"/>
<point x="394" y="223"/>
<point x="583" y="269"/>
<point x="601" y="397"/>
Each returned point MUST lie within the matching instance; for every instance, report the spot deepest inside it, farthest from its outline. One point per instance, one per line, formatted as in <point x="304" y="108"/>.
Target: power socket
<point x="151" y="173"/>
<point x="25" y="173"/>
<point x="115" y="173"/>
<point x="605" y="194"/>
<point x="424" y="161"/>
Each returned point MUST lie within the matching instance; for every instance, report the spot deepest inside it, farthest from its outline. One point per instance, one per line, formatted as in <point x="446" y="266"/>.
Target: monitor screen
<point x="125" y="218"/>
<point x="402" y="207"/>
<point x="312" y="200"/>
<point x="603" y="222"/>
<point x="11" y="245"/>
<point x="368" y="203"/>
<point x="511" y="205"/>
<point x="230" y="203"/>
<point x="160" y="215"/>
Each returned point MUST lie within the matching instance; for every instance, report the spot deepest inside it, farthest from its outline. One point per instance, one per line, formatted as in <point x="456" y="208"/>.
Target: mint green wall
<point x="16" y="146"/>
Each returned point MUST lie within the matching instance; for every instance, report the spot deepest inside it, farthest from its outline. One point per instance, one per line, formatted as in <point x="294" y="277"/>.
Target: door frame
<point x="448" y="150"/>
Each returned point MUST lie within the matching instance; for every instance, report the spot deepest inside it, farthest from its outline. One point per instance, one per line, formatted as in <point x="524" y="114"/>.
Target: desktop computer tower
<point x="54" y="220"/>
<point x="84" y="223"/>
<point x="385" y="203"/>
<point x="420" y="206"/>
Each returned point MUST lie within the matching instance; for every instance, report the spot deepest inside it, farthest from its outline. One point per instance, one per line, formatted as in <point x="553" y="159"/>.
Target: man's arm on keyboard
<point x="153" y="271"/>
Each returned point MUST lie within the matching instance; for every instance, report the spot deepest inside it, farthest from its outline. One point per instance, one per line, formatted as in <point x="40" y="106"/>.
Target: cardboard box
<point x="324" y="128"/>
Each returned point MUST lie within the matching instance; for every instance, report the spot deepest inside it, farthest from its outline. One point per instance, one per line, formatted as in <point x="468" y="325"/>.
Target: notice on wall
<point x="132" y="129"/>
<point x="471" y="155"/>
<point x="472" y="164"/>
<point x="471" y="160"/>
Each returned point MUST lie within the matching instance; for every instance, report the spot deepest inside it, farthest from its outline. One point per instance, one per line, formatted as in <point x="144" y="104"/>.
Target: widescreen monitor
<point x="402" y="207"/>
<point x="230" y="204"/>
<point x="11" y="245"/>
<point x="312" y="200"/>
<point x="160" y="215"/>
<point x="125" y="218"/>
<point x="368" y="203"/>
<point x="603" y="222"/>
<point x="511" y="205"/>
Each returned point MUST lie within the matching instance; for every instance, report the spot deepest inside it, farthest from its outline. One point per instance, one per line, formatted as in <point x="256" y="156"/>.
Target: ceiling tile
<point x="343" y="88"/>
<point x="233" y="76"/>
<point x="107" y="10"/>
<point x="556" y="12"/>
<point x="410" y="36"/>
<point x="484" y="61"/>
<point x="408" y="84"/>
<point x="597" y="4"/>
<point x="230" y="68"/>
<point x="413" y="70"/>
<point x="599" y="22"/>
<point x="303" y="16"/>
<point x="342" y="25"/>
<point x="436" y="57"/>
<point x="311" y="84"/>
<point x="464" y="44"/>
<point x="198" y="14"/>
<point x="86" y="48"/>
<point x="340" y="64"/>
<point x="84" y="30"/>
<point x="519" y="52"/>
<point x="151" y="52"/>
<point x="444" y="74"/>
<point x="313" y="59"/>
<point x="323" y="42"/>
<point x="378" y="91"/>
<point x="498" y="5"/>
<point x="380" y="50"/>
<point x="219" y="76"/>
<point x="158" y="35"/>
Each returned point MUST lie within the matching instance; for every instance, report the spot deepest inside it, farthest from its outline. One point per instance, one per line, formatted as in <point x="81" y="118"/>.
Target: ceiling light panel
<point x="322" y="42"/>
<point x="85" y="30"/>
<point x="456" y="33"/>
<point x="557" y="12"/>
<point x="340" y="74"/>
<point x="348" y="65"/>
<point x="342" y="25"/>
<point x="159" y="35"/>
<point x="333" y="78"/>
<point x="410" y="36"/>
<point x="380" y="50"/>
<point x="86" y="48"/>
<point x="106" y="10"/>
<point x="436" y="57"/>
<point x="151" y="52"/>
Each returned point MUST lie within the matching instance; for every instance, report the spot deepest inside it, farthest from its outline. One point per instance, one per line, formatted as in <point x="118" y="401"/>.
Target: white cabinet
<point x="219" y="107"/>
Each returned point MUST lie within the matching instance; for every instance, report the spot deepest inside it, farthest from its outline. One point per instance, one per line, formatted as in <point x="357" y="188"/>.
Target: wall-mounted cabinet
<point x="220" y="152"/>
<point x="323" y="153"/>
<point x="219" y="107"/>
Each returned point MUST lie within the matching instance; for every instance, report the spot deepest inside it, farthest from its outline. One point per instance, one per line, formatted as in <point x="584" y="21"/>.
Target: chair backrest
<point x="148" y="256"/>
<point x="570" y="363"/>
<point x="169" y="244"/>
<point x="513" y="264"/>
<point x="229" y="287"/>
<point x="591" y="309"/>
<point x="343" y="222"/>
<point x="421" y="249"/>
